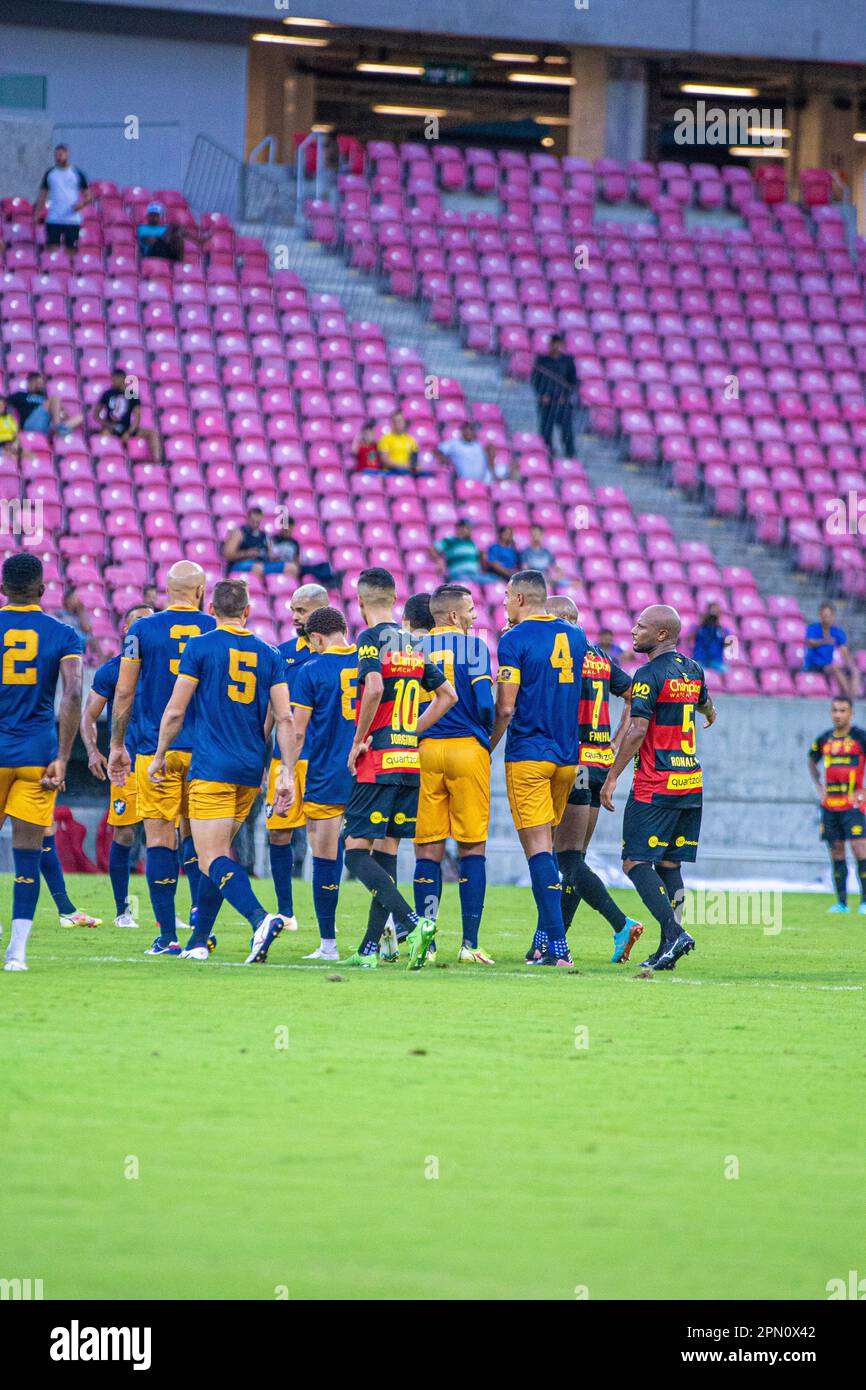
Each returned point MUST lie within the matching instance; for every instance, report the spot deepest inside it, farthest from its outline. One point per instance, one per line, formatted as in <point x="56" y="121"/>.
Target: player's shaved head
<point x="561" y="606"/>
<point x="22" y="577"/>
<point x="186" y="582"/>
<point x="306" y="600"/>
<point x="658" y="626"/>
<point x="231" y="598"/>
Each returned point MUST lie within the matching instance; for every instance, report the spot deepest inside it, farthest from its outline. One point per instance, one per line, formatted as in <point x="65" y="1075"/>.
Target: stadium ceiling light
<point x="552" y="120"/>
<point x="548" y="79"/>
<point x="548" y="141"/>
<point x="758" y="152"/>
<point x="410" y="110"/>
<point x="310" y="23"/>
<point x="710" y="89"/>
<point x="558" y="60"/>
<point x="859" y="136"/>
<point x="296" y="40"/>
<point x="392" y="69"/>
<point x="769" y="132"/>
<point x="322" y="128"/>
<point x="514" y="57"/>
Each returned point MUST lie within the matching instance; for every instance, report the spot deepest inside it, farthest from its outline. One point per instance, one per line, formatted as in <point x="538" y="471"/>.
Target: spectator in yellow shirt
<point x="397" y="449"/>
<point x="10" y="444"/>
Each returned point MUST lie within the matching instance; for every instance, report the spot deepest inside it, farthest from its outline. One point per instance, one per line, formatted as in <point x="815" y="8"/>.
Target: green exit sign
<point x="447" y="74"/>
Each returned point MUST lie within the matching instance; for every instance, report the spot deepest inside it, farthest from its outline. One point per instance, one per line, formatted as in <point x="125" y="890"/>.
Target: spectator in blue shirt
<point x="827" y="651"/>
<point x="503" y="557"/>
<point x="709" y="640"/>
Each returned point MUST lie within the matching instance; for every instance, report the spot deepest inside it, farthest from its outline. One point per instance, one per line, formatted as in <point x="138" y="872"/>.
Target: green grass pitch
<point x="438" y="1135"/>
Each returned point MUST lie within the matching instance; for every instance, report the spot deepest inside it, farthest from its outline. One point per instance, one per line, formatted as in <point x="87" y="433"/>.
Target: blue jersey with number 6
<point x="328" y="686"/>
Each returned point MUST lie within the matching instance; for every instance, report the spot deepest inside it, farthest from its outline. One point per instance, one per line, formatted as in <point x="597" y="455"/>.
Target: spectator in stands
<point x="503" y="557"/>
<point x="554" y="378"/>
<point x="10" y="444"/>
<point x="150" y="598"/>
<point x="536" y="556"/>
<point x="472" y="461"/>
<point x="611" y="649"/>
<point x="709" y="638"/>
<point x="75" y="615"/>
<point x="459" y="557"/>
<point x="163" y="239"/>
<point x="366" y="450"/>
<point x="38" y="411"/>
<point x="285" y="558"/>
<point x="119" y="412"/>
<point x="247" y="548"/>
<point x="62" y="195"/>
<point x="827" y="651"/>
<point x="398" y="450"/>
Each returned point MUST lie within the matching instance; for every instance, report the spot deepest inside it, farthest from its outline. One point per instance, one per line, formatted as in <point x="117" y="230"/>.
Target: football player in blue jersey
<point x="34" y="752"/>
<point x="123" y="812"/>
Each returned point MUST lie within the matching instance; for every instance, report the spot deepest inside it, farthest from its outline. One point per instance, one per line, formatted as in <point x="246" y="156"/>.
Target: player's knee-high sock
<point x="473" y="886"/>
<point x="282" y="862"/>
<point x="840" y="878"/>
<point x="567" y="860"/>
<point x="547" y="891"/>
<point x="379" y="882"/>
<point x="208" y="904"/>
<point x="589" y="886"/>
<point x="652" y="892"/>
<point x="427" y="884"/>
<point x="189" y="859"/>
<point x="52" y="872"/>
<point x="118" y="872"/>
<point x="674" y="887"/>
<point x="377" y="917"/>
<point x="861" y="874"/>
<point x="25" y="895"/>
<point x="326" y="891"/>
<point x="233" y="882"/>
<point x="162" y="886"/>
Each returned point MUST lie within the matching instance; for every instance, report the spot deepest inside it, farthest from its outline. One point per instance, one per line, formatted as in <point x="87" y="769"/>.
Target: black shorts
<point x="588" y="783"/>
<point x="841" y="825"/>
<point x="379" y="809"/>
<point x="651" y="832"/>
<point x="59" y="233"/>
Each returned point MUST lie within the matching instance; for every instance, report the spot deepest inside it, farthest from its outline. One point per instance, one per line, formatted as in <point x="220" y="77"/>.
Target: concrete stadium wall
<point x="174" y="89"/>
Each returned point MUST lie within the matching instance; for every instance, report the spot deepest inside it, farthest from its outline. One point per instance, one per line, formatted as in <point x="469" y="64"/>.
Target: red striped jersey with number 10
<point x="393" y="753"/>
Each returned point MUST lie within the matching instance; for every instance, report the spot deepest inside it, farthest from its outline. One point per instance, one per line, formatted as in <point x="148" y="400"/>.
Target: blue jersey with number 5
<point x="235" y="672"/>
<point x="33" y="646"/>
<point x="156" y="644"/>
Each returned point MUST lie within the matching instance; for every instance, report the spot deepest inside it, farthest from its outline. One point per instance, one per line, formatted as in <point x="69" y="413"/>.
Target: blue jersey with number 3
<point x="32" y="646"/>
<point x="328" y="686"/>
<point x="156" y="643"/>
<point x="235" y="672"/>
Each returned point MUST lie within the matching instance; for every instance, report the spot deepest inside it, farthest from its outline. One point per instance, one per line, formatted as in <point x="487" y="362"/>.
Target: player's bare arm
<point x="119" y="762"/>
<point x="815" y="774"/>
<point x="443" y="698"/>
<point x="71" y="676"/>
<point x="370" y="702"/>
<point x="709" y="712"/>
<point x="506" y="699"/>
<point x="621" y="727"/>
<point x="171" y="723"/>
<point x="291" y="725"/>
<point x="97" y="762"/>
<point x="631" y="741"/>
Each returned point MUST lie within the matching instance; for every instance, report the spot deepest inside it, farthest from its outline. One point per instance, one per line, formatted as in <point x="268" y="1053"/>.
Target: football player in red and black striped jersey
<point x="841" y="750"/>
<point x="662" y="818"/>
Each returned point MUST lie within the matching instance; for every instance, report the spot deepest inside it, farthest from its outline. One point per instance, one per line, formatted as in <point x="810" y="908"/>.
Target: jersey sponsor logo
<point x="654" y="842"/>
<point x="377" y="817"/>
<point x="402" y="819"/>
<point x="597" y="757"/>
<point x="594" y="665"/>
<point x="394" y="759"/>
<point x="682" y="689"/>
<point x="367" y="653"/>
<point x="856" y="829"/>
<point x="508" y="675"/>
<point x="640" y="690"/>
<point x="681" y="840"/>
<point x="686" y="781"/>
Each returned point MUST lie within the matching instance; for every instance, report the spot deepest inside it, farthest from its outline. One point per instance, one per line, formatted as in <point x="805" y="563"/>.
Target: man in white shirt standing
<point x="472" y="461"/>
<point x="63" y="192"/>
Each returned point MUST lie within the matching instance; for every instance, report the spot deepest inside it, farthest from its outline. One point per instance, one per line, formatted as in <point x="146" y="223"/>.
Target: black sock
<point x="567" y="859"/>
<point x="861" y="874"/>
<point x="378" y="915"/>
<point x="653" y="894"/>
<point x="672" y="878"/>
<point x="840" y="878"/>
<point x="588" y="885"/>
<point x="376" y="879"/>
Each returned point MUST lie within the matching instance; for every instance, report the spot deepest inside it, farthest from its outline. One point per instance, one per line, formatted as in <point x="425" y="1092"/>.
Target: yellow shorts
<point x="22" y="796"/>
<point x="537" y="793"/>
<point x="123" y="806"/>
<point x="297" y="812"/>
<point x="220" y="800"/>
<point x="454" y="800"/>
<point x="319" y="810"/>
<point x="168" y="799"/>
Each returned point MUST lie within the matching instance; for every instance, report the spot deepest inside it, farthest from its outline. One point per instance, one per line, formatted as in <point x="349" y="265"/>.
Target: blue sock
<point x="547" y="891"/>
<point x="427" y="885"/>
<point x="118" y="872"/>
<point x="233" y="882"/>
<point x="189" y="859"/>
<point x="326" y="892"/>
<point x="208" y="904"/>
<point x="25" y="888"/>
<point x="473" y="883"/>
<point x="162" y="886"/>
<point x="282" y="861"/>
<point x="52" y="872"/>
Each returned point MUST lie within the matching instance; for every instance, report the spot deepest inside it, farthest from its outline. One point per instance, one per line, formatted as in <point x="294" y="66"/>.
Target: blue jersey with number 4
<point x="544" y="657"/>
<point x="33" y="646"/>
<point x="156" y="644"/>
<point x="328" y="686"/>
<point x="235" y="672"/>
